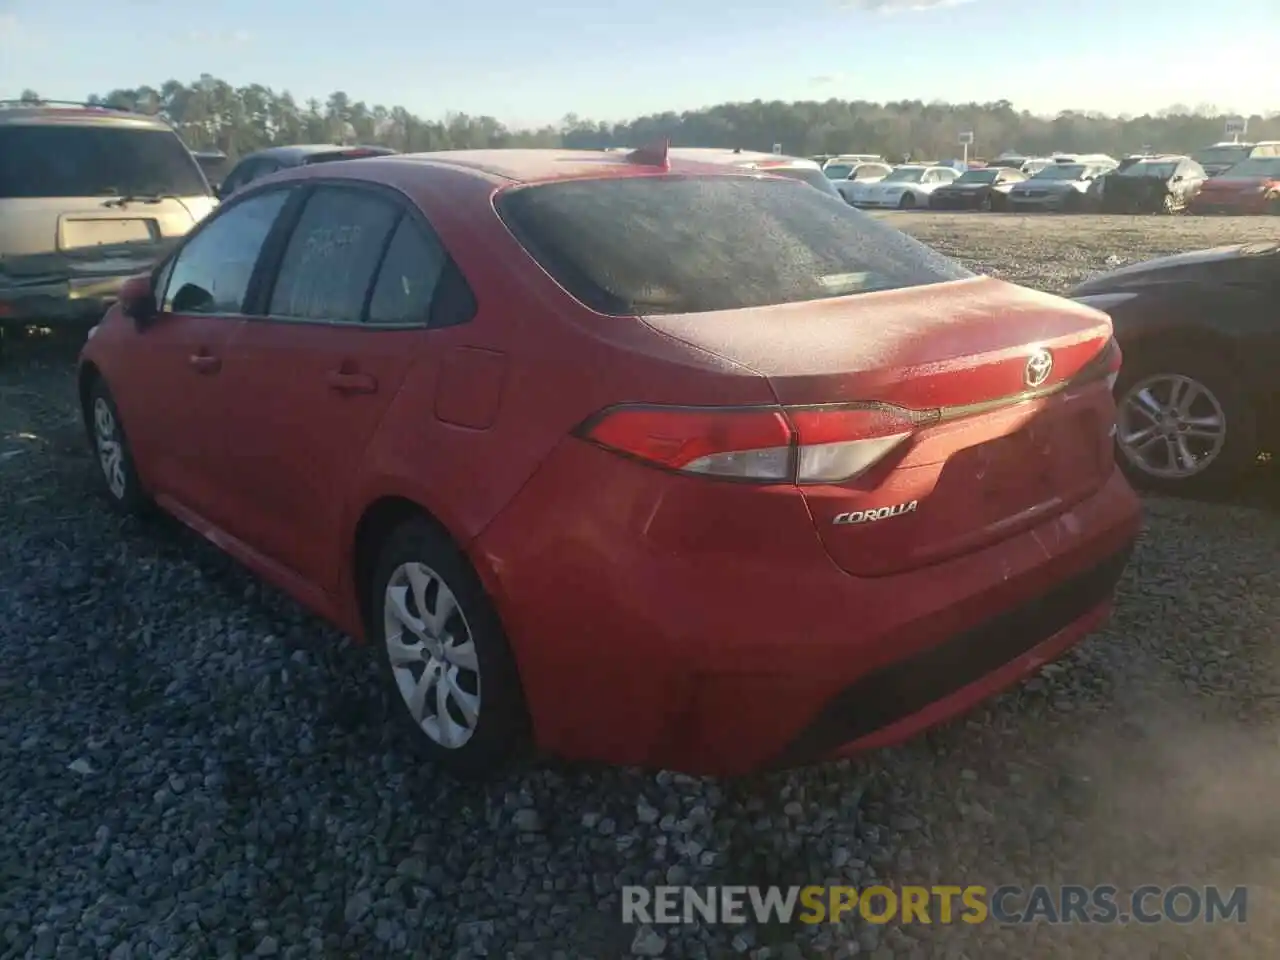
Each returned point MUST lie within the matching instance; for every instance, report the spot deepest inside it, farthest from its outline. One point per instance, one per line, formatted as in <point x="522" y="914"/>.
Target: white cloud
<point x="826" y="79"/>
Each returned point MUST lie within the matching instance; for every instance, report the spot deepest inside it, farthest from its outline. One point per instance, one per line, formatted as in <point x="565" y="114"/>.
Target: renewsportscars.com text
<point x="1008" y="904"/>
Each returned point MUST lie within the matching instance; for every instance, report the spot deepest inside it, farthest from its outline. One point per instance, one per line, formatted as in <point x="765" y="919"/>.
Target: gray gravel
<point x="192" y="767"/>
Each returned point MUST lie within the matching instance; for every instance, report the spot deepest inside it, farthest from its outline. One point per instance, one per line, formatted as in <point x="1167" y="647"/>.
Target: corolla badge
<point x="876" y="513"/>
<point x="1039" y="366"/>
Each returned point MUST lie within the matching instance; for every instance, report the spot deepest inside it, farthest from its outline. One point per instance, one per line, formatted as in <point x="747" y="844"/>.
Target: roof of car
<point x="16" y="112"/>
<point x="519" y="165"/>
<point x="744" y="157"/>
<point x="299" y="151"/>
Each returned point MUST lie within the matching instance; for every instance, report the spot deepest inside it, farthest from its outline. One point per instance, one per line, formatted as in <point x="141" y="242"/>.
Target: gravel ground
<point x="190" y="766"/>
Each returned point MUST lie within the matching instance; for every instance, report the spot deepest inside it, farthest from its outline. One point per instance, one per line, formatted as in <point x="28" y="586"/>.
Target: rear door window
<point x="693" y="244"/>
<point x="329" y="263"/>
<point x="212" y="271"/>
<point x="95" y="160"/>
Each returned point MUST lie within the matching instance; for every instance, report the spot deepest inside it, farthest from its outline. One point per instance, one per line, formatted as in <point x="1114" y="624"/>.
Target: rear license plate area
<point x="79" y="234"/>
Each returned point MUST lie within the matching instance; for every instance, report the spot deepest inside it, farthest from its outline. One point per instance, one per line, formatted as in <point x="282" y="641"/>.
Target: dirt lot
<point x="192" y="767"/>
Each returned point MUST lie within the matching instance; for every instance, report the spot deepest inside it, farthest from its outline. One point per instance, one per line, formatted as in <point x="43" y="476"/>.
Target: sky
<point x="528" y="66"/>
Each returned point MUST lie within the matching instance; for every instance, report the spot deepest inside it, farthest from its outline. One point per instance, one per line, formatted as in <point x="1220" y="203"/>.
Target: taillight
<point x="838" y="443"/>
<point x="822" y="444"/>
<point x="1105" y="366"/>
<point x="749" y="443"/>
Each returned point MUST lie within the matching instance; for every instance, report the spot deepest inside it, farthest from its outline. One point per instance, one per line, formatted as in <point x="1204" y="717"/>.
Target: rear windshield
<point x="64" y="160"/>
<point x="677" y="244"/>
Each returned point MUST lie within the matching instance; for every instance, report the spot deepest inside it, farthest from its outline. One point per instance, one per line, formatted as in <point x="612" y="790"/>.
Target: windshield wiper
<point x="129" y="198"/>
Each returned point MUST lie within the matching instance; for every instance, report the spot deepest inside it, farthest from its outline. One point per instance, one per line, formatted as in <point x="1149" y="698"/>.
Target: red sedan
<point x="621" y="457"/>
<point x="1250" y="187"/>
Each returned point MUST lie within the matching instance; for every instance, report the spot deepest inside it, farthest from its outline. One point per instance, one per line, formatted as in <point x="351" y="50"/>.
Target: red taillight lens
<point x="825" y="444"/>
<point x="838" y="443"/>
<point x="1105" y="366"/>
<point x="751" y="443"/>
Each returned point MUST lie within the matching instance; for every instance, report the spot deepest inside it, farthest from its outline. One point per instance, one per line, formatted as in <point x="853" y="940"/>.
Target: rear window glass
<point x="674" y="244"/>
<point x="65" y="160"/>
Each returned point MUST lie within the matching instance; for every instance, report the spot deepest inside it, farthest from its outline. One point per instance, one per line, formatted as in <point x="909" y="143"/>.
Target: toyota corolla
<point x="623" y="457"/>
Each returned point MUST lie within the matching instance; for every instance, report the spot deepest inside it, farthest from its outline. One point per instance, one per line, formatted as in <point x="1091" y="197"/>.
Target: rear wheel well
<point x="380" y="518"/>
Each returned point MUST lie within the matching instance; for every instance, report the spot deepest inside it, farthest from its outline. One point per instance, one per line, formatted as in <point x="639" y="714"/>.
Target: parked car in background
<point x="845" y="176"/>
<point x="1197" y="396"/>
<point x="1058" y="187"/>
<point x="214" y="164"/>
<point x="89" y="196"/>
<point x="1221" y="157"/>
<point x="256" y="165"/>
<point x="1165" y="184"/>
<point x="928" y="469"/>
<point x="1028" y="165"/>
<point x="847" y="160"/>
<point x="1251" y="186"/>
<point x="986" y="188"/>
<point x="905" y="187"/>
<point x="794" y="168"/>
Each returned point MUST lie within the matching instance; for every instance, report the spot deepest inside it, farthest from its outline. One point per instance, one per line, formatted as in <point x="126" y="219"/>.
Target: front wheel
<point x="1273" y="205"/>
<point x="444" y="656"/>
<point x="1173" y="205"/>
<point x="1182" y="425"/>
<point x="1072" y="203"/>
<point x="908" y="202"/>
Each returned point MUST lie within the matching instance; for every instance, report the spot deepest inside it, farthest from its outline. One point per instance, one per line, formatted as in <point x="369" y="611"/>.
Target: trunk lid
<point x="995" y="449"/>
<point x="80" y="226"/>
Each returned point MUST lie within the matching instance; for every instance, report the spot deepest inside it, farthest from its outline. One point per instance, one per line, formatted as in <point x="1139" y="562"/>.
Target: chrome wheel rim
<point x="1171" y="426"/>
<point x="106" y="434"/>
<point x="432" y="654"/>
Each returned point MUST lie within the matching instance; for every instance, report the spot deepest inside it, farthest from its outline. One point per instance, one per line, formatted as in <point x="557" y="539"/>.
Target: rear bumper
<point x="72" y="302"/>
<point x="714" y="635"/>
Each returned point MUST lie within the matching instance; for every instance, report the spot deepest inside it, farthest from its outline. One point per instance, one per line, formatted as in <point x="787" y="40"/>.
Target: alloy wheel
<point x="1170" y="426"/>
<point x="106" y="435"/>
<point x="432" y="654"/>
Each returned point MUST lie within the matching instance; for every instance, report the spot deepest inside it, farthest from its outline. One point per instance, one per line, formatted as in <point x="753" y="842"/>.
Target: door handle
<point x="344" y="382"/>
<point x="205" y="363"/>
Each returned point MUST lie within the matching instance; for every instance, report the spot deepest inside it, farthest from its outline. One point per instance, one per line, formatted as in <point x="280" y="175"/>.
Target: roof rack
<point x="64" y="103"/>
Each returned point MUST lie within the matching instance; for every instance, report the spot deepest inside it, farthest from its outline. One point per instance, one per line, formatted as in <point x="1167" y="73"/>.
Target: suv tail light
<point x="819" y="444"/>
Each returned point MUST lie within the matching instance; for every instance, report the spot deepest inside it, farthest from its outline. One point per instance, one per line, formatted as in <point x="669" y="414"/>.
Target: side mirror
<point x="138" y="300"/>
<point x="1177" y="178"/>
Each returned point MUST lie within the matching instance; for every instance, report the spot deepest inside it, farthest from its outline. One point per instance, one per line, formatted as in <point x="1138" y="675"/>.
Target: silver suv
<point x="89" y="196"/>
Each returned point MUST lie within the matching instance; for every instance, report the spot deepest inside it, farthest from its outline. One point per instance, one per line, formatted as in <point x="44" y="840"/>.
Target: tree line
<point x="211" y="114"/>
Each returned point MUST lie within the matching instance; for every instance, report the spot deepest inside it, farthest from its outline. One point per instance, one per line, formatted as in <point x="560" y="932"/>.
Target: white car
<point x="845" y="175"/>
<point x="776" y="165"/>
<point x="907" y="187"/>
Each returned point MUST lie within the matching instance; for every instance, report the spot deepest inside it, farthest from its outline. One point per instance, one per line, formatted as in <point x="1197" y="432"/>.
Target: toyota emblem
<point x="1039" y="366"/>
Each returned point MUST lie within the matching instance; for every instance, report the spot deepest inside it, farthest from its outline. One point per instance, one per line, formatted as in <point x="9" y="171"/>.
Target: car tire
<point x="117" y="471"/>
<point x="1072" y="203"/>
<point x="1171" y="205"/>
<point x="1218" y="396"/>
<point x="1272" y="206"/>
<point x="479" y="723"/>
<point x="988" y="204"/>
<point x="908" y="202"/>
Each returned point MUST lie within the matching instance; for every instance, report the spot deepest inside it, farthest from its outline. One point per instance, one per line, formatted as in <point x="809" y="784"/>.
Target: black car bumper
<point x="953" y="202"/>
<point x="76" y="301"/>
